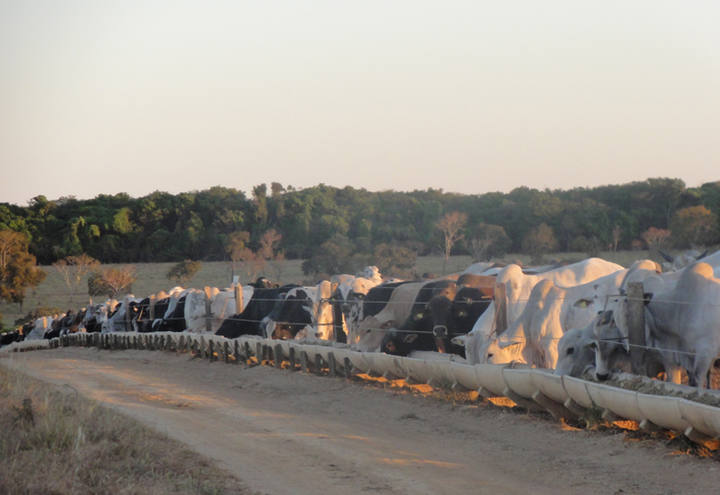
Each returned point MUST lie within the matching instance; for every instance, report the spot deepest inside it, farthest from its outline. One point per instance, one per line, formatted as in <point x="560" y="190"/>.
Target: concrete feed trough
<point x="550" y="385"/>
<point x="464" y="374"/>
<point x="662" y="411"/>
<point x="490" y="378"/>
<point x="705" y="419"/>
<point x="619" y="401"/>
<point x="520" y="382"/>
<point x="418" y="369"/>
<point x="577" y="391"/>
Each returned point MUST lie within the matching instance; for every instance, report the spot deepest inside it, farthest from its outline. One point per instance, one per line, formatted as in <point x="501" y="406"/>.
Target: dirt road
<point x="286" y="432"/>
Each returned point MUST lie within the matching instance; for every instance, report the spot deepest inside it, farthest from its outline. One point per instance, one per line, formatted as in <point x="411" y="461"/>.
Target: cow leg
<point x="701" y="371"/>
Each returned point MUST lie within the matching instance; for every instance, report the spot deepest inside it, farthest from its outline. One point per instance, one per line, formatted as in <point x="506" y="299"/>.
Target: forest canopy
<point x="199" y="225"/>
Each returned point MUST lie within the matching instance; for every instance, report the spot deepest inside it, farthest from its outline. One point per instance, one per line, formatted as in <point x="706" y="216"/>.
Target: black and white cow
<point x="415" y="333"/>
<point x="362" y="318"/>
<point x="120" y="319"/>
<point x="174" y="318"/>
<point x="261" y="303"/>
<point x="143" y="322"/>
<point x="305" y="313"/>
<point x="61" y="325"/>
<point x="348" y="294"/>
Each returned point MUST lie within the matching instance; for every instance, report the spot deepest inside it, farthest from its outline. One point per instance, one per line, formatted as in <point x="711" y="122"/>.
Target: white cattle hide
<point x="518" y="287"/>
<point x="359" y="284"/>
<point x="551" y="311"/>
<point x="40" y="326"/>
<point x="682" y="321"/>
<point x="116" y="323"/>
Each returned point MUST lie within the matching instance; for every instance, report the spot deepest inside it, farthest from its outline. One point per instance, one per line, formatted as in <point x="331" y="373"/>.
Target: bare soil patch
<point x="287" y="432"/>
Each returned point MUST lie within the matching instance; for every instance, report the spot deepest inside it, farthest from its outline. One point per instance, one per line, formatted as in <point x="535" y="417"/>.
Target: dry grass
<point x="152" y="278"/>
<point x="55" y="442"/>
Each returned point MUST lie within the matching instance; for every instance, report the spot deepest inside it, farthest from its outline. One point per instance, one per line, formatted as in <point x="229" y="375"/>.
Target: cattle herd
<point x="570" y="318"/>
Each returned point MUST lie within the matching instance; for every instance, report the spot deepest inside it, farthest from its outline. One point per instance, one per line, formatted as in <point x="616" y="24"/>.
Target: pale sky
<point x="125" y="96"/>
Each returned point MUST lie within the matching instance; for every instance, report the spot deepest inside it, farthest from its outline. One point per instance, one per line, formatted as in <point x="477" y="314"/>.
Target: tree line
<point x="201" y="225"/>
<point x="337" y="230"/>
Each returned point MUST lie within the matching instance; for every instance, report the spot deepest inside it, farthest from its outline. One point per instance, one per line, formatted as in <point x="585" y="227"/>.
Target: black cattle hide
<point x="161" y="307"/>
<point x="60" y="326"/>
<point x="415" y="334"/>
<point x="8" y="338"/>
<point x="175" y="321"/>
<point x="290" y="315"/>
<point x="377" y="298"/>
<point x="142" y="317"/>
<point x="258" y="307"/>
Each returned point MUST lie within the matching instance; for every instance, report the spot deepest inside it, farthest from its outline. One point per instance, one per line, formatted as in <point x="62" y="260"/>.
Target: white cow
<point x="576" y="352"/>
<point x="40" y="326"/>
<point x="518" y="287"/>
<point x="682" y="323"/>
<point x="195" y="312"/>
<point x="551" y="311"/>
<point x="652" y="283"/>
<point x="222" y="306"/>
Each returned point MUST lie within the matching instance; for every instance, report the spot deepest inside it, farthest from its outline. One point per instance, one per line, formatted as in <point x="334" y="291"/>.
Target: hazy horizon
<point x="465" y="96"/>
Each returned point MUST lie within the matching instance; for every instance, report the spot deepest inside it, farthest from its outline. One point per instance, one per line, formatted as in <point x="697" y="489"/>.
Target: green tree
<point x="394" y="260"/>
<point x="694" y="226"/>
<point x="333" y="256"/>
<point x="184" y="271"/>
<point x="488" y="241"/>
<point x="260" y="203"/>
<point x="539" y="241"/>
<point x="18" y="269"/>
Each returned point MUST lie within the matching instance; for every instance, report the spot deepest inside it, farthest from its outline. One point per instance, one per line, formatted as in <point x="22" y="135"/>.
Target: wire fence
<point x="409" y="301"/>
<point x="412" y="300"/>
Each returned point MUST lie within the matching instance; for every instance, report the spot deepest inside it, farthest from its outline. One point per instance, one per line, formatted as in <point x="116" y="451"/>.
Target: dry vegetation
<point x="56" y="442"/>
<point x="152" y="277"/>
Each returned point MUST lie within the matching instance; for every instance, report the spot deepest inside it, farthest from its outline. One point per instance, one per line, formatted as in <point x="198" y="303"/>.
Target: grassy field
<point x="55" y="441"/>
<point x="151" y="278"/>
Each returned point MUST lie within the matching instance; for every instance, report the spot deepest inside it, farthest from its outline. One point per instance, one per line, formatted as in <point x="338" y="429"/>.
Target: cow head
<point x="399" y="343"/>
<point x="290" y="315"/>
<point x="440" y="308"/>
<point x="576" y="354"/>
<point x="608" y="341"/>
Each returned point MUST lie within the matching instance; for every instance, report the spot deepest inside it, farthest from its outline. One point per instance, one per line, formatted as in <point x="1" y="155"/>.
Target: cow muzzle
<point x="440" y="332"/>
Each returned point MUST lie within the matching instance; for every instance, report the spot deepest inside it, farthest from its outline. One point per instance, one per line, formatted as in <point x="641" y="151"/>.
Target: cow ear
<point x="606" y="318"/>
<point x="625" y="342"/>
<point x="410" y="338"/>
<point x="582" y="303"/>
